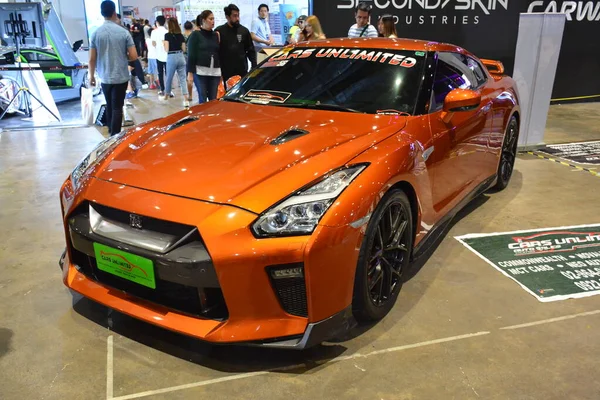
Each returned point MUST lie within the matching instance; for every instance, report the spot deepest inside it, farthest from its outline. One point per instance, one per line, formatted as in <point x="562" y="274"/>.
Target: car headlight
<point x="300" y="213"/>
<point x="89" y="160"/>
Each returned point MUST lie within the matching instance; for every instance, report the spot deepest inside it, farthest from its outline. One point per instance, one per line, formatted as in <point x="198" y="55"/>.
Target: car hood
<point x="222" y="152"/>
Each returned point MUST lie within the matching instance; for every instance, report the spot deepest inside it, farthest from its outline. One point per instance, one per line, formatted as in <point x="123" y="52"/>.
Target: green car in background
<point x="65" y="82"/>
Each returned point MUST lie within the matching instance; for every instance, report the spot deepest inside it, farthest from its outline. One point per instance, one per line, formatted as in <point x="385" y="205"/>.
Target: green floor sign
<point x="551" y="264"/>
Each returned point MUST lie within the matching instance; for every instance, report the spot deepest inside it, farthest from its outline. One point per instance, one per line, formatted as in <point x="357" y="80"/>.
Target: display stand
<point x="536" y="59"/>
<point x="17" y="28"/>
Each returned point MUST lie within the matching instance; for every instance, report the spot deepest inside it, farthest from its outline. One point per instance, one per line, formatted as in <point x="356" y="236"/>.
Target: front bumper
<point x="244" y="306"/>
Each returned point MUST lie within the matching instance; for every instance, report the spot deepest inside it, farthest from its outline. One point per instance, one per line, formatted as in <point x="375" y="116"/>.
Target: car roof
<point x="384" y="43"/>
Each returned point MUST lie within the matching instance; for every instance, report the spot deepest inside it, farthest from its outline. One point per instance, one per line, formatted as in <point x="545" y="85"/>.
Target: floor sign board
<point x="551" y="264"/>
<point x="582" y="152"/>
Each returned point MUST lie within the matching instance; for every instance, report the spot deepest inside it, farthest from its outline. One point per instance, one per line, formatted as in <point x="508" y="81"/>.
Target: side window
<point x="29" y="56"/>
<point x="477" y="70"/>
<point x="46" y="57"/>
<point x="455" y="71"/>
<point x="447" y="78"/>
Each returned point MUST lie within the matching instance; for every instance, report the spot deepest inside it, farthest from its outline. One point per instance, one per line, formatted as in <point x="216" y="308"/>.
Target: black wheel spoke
<point x="380" y="238"/>
<point x="374" y="281"/>
<point x="379" y="298"/>
<point x="399" y="247"/>
<point x="387" y="282"/>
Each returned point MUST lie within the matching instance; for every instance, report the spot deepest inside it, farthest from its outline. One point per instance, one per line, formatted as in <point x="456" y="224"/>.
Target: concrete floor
<point x="443" y="339"/>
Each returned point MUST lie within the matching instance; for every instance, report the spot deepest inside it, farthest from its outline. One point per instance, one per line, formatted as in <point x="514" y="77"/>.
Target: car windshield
<point x="354" y="80"/>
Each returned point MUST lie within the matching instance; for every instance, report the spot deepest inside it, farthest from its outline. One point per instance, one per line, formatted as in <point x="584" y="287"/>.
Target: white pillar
<point x="536" y="58"/>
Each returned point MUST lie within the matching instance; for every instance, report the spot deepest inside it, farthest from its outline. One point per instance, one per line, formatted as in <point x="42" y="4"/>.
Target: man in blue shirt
<point x="111" y="48"/>
<point x="261" y="32"/>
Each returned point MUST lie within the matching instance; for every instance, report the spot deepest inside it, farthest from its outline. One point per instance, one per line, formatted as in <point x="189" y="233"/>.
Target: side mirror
<point x="461" y="100"/>
<point x="225" y="86"/>
<point x="231" y="82"/>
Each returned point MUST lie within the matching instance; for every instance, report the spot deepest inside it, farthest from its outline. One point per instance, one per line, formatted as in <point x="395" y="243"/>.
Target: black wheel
<point x="508" y="155"/>
<point x="384" y="257"/>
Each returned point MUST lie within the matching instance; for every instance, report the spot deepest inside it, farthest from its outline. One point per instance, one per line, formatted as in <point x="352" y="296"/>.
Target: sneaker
<point x="130" y="95"/>
<point x="186" y="103"/>
<point x="172" y="95"/>
<point x="161" y="93"/>
<point x="145" y="86"/>
<point x="152" y="87"/>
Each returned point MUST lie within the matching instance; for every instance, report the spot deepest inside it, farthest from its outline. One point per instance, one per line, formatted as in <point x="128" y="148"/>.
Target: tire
<point x="508" y="154"/>
<point x="379" y="274"/>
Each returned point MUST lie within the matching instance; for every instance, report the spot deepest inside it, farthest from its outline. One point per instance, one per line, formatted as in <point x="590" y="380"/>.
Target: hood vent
<point x="182" y="122"/>
<point x="289" y="135"/>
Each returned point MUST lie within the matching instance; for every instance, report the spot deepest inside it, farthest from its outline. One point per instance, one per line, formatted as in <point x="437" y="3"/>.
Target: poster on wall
<point x="93" y="18"/>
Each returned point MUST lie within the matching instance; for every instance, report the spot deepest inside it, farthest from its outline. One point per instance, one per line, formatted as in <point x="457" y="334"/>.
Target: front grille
<point x="191" y="300"/>
<point x="186" y="280"/>
<point x="290" y="291"/>
<point x="150" y="224"/>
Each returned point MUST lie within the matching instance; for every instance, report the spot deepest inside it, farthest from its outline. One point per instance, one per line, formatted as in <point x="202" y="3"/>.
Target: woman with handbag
<point x="203" y="57"/>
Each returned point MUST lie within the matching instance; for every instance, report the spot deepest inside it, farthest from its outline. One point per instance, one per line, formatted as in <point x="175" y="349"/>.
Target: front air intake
<point x="289" y="135"/>
<point x="290" y="287"/>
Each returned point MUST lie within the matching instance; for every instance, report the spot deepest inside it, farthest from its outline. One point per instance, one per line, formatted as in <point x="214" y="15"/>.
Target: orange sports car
<point x="295" y="204"/>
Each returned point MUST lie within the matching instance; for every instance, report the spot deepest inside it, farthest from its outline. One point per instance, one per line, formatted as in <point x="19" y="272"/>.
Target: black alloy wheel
<point x="509" y="154"/>
<point x="384" y="257"/>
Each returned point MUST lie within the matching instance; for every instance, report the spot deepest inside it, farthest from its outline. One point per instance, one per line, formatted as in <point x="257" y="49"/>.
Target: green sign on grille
<point x="125" y="265"/>
<point x="551" y="264"/>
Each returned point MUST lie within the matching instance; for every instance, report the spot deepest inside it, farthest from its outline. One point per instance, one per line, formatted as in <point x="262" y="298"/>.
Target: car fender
<point x="396" y="161"/>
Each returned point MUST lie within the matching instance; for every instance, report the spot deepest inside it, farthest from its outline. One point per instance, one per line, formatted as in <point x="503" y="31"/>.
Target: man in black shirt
<point x="236" y="45"/>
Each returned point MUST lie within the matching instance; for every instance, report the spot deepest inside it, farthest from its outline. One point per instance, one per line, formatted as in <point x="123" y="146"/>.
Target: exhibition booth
<point x="405" y="216"/>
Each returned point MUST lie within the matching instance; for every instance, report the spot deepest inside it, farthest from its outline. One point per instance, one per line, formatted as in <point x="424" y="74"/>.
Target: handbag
<point x="87" y="106"/>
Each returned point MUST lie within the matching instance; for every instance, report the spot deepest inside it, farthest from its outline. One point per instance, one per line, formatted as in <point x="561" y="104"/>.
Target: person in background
<point x="236" y="47"/>
<point x="138" y="36"/>
<point x="175" y="45"/>
<point x="111" y="47"/>
<point x="188" y="28"/>
<point x="312" y="29"/>
<point x="296" y="30"/>
<point x="152" y="65"/>
<point x="362" y="28"/>
<point x="387" y="27"/>
<point x="203" y="57"/>
<point x="147" y="29"/>
<point x="260" y="30"/>
<point x="158" y="37"/>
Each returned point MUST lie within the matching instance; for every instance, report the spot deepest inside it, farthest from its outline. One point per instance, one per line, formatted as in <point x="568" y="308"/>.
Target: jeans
<point x="208" y="87"/>
<point x="138" y="72"/>
<point x="176" y="63"/>
<point x="161" y="74"/>
<point x="115" y="99"/>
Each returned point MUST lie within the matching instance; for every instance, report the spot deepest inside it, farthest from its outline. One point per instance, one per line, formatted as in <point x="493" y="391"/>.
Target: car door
<point x="460" y="138"/>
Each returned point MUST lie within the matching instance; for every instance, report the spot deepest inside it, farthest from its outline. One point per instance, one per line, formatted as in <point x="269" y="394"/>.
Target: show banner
<point x="489" y="29"/>
<point x="551" y="264"/>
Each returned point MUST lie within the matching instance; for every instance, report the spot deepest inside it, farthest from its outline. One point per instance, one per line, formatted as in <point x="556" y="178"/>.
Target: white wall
<point x="72" y="15"/>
